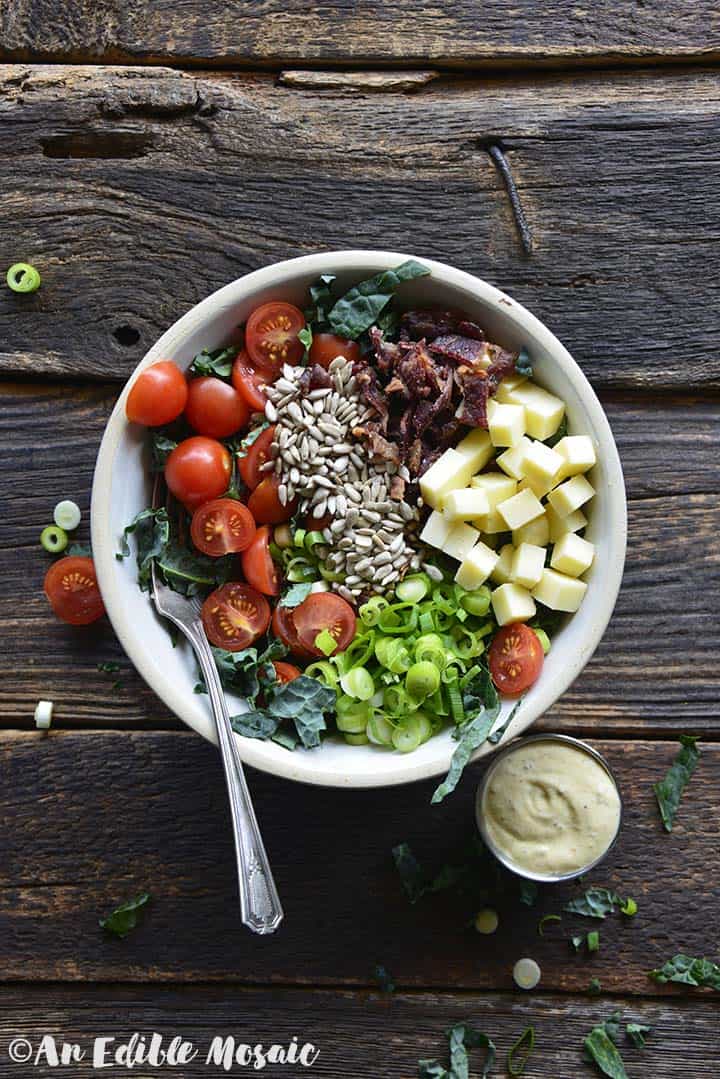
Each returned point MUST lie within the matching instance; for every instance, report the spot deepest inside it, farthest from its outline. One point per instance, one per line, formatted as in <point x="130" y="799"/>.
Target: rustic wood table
<point x="153" y="151"/>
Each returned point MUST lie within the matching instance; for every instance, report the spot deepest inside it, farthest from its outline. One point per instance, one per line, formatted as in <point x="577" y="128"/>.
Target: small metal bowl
<point x="501" y="857"/>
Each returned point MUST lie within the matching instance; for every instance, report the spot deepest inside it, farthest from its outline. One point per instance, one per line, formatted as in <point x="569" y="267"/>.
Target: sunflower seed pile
<point x="318" y="460"/>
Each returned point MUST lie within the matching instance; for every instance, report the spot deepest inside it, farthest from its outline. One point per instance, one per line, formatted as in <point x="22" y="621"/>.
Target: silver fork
<point x="259" y="902"/>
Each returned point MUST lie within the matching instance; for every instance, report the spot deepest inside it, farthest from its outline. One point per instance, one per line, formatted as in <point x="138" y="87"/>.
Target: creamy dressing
<point x="550" y="808"/>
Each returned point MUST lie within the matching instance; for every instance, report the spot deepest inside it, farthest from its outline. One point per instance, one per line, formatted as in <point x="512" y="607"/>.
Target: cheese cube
<point x="506" y="423"/>
<point x="520" y="509"/>
<point x="572" y="555"/>
<point x="543" y="411"/>
<point x="537" y="531"/>
<point x="465" y="504"/>
<point x="512" y="460"/>
<point x="501" y="571"/>
<point x="511" y="603"/>
<point x="542" y="463"/>
<point x="571" y="495"/>
<point x="451" y="471"/>
<point x="506" y="387"/>
<point x="560" y="525"/>
<point x="492" y="523"/>
<point x="578" y="454"/>
<point x="496" y="485"/>
<point x="436" y="531"/>
<point x="477" y="567"/>
<point x="559" y="592"/>
<point x="460" y="541"/>
<point x="476" y="448"/>
<point x="538" y="487"/>
<point x="528" y="564"/>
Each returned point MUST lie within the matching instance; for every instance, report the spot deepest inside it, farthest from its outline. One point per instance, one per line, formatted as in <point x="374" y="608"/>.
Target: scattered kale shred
<point x="670" y="789"/>
<point x="638" y="1033"/>
<point x="125" y="917"/>
<point x="218" y="362"/>
<point x="362" y="306"/>
<point x="482" y="707"/>
<point x="523" y="364"/>
<point x="599" y="902"/>
<point x="686" y="970"/>
<point x="461" y="1037"/>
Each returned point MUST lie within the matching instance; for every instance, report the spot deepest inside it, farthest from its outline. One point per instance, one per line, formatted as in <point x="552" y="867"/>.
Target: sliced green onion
<point x="358" y="683"/>
<point x="330" y="575"/>
<point x="299" y="537"/>
<point x="413" y="588"/>
<point x="468" y="644"/>
<point x="396" y="701"/>
<point x="520" y="1051"/>
<point x="312" y="539"/>
<point x="593" y="941"/>
<point x="54" y="539"/>
<point x="357" y="739"/>
<point x="22" y="277"/>
<point x="370" y="612"/>
<point x="543" y="638"/>
<point x="445" y="598"/>
<point x="426" y="726"/>
<point x="438" y="705"/>
<point x="43" y="715"/>
<point x="380" y="730"/>
<point x="299" y="569"/>
<point x="426" y="622"/>
<point x="408" y="735"/>
<point x="392" y="654"/>
<point x="476" y="602"/>
<point x="358" y="652"/>
<point x="352" y="717"/>
<point x="399" y="619"/>
<point x="457" y="708"/>
<point x="429" y="646"/>
<point x="67" y="515"/>
<point x="325" y="642"/>
<point x="323" y="671"/>
<point x="486" y="921"/>
<point x="422" y="680"/>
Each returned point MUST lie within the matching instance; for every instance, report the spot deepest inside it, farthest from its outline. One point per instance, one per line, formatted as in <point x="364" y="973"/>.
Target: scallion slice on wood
<point x="67" y="515"/>
<point x="22" y="277"/>
<point x="54" y="539"/>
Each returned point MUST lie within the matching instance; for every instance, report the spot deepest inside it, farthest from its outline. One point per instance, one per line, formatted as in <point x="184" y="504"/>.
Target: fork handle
<point x="259" y="901"/>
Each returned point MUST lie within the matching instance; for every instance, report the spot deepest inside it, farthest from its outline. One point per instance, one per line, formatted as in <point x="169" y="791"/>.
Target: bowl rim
<point x="356" y="261"/>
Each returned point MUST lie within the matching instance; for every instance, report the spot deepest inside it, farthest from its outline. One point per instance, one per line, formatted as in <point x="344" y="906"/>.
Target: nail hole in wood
<point x="127" y="336"/>
<point x="114" y="145"/>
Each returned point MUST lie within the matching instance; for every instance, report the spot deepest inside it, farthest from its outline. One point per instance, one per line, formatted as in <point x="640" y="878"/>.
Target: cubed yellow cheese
<point x="465" y="504"/>
<point x="559" y="592"/>
<point x="560" y="525"/>
<point x="537" y="531"/>
<point x="520" y="509"/>
<point x="542" y="463"/>
<point x="492" y="523"/>
<point x="527" y="564"/>
<point x="501" y="571"/>
<point x="496" y="485"/>
<point x="476" y="448"/>
<point x="578" y="454"/>
<point x="436" y="531"/>
<point x="512" y="460"/>
<point x="506" y="423"/>
<point x="543" y="411"/>
<point x="477" y="567"/>
<point x="451" y="471"/>
<point x="538" y="487"/>
<point x="460" y="541"/>
<point x="506" y="387"/>
<point x="571" y="495"/>
<point x="572" y="555"/>
<point x="512" y="603"/>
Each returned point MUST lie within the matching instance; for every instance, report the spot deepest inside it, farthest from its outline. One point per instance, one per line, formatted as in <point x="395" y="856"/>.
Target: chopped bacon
<point x="460" y="349"/>
<point x="315" y="378"/>
<point x="431" y="324"/>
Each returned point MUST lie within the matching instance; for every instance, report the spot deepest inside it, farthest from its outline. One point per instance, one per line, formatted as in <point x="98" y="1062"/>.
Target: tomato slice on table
<point x="252" y="461"/>
<point x="271" y="336"/>
<point x="326" y="347"/>
<point x="234" y="616"/>
<point x="284" y="628"/>
<point x="214" y="408"/>
<point x="222" y="526"/>
<point x="515" y="659"/>
<point x="324" y="610"/>
<point x="72" y="589"/>
<point x="249" y="382"/>
<point x="158" y="395"/>
<point x="258" y="566"/>
<point x="286" y="672"/>
<point x="265" y="505"/>
<point x="197" y="470"/>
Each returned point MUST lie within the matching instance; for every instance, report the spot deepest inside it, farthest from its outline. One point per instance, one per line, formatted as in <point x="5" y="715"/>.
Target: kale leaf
<point x="362" y="305"/>
<point x="218" y="362"/>
<point x="151" y="529"/>
<point x="638" y="1034"/>
<point x="461" y="1038"/>
<point x="161" y="446"/>
<point x="125" y="917"/>
<point x="189" y="572"/>
<point x="523" y="364"/>
<point x="669" y="790"/>
<point x="305" y="701"/>
<point x="497" y="735"/>
<point x="599" y="902"/>
<point x="602" y="1050"/>
<point x="255" y="724"/>
<point x="686" y="970"/>
<point x="321" y="301"/>
<point x="482" y="707"/>
<point x="295" y="594"/>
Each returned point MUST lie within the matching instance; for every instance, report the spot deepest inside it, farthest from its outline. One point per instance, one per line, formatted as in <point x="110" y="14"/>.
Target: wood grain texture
<point x="270" y="32"/>
<point x="357" y="1033"/>
<point x="139" y="191"/>
<point x="92" y="818"/>
<point x="662" y="641"/>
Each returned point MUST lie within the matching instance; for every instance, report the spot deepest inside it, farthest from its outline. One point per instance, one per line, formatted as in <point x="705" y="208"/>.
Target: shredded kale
<point x="528" y="892"/>
<point x="108" y="668"/>
<point x="321" y="302"/>
<point x="685" y="970"/>
<point x="602" y="1050"/>
<point x="361" y="306"/>
<point x="670" y="789"/>
<point x="295" y="594"/>
<point x="218" y="362"/>
<point x="481" y="704"/>
<point x="638" y="1034"/>
<point x="151" y="529"/>
<point x="498" y="734"/>
<point x="125" y="917"/>
<point x="523" y="365"/>
<point x="81" y="550"/>
<point x="599" y="902"/>
<point x="161" y="446"/>
<point x="595" y="988"/>
<point x="461" y="1038"/>
<point x="560" y="433"/>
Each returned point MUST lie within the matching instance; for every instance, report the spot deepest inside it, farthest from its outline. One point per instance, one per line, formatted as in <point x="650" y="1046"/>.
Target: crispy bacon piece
<point x="431" y="324"/>
<point x="453" y="346"/>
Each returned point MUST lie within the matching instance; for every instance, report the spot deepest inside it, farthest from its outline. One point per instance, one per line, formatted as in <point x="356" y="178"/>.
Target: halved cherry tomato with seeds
<point x="515" y="658"/>
<point x="222" y="527"/>
<point x="284" y="628"/>
<point x="72" y="589"/>
<point x="197" y="470"/>
<point x="271" y="336"/>
<point x="265" y="505"/>
<point x="234" y="616"/>
<point x="326" y="347"/>
<point x="249" y="382"/>
<point x="215" y="408"/>
<point x="286" y="672"/>
<point x="257" y="454"/>
<point x="158" y="395"/>
<point x="258" y="566"/>
<point x="324" y="610"/>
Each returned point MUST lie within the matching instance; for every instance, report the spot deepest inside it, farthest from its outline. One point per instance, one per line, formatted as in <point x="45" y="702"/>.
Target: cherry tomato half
<point x="271" y="336"/>
<point x="72" y="589"/>
<point x="197" y="470"/>
<point x="324" y="610"/>
<point x="265" y="505"/>
<point x="249" y="383"/>
<point x="284" y="628"/>
<point x="158" y="395"/>
<point x="256" y="456"/>
<point x="515" y="658"/>
<point x="326" y="347"/>
<point x="215" y="408"/>
<point x="234" y="616"/>
<point x="286" y="672"/>
<point x="222" y="527"/>
<point x="258" y="566"/>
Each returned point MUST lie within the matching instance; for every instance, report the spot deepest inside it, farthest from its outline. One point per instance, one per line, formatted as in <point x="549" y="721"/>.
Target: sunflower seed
<point x="317" y="395"/>
<point x="336" y="527"/>
<point x="283" y="494"/>
<point x="397" y="545"/>
<point x="266" y="466"/>
<point x="319" y="509"/>
<point x="295" y="412"/>
<point x="331" y="504"/>
<point x="340" y="465"/>
<point x="323" y="481"/>
<point x="379" y="543"/>
<point x="271" y="412"/>
<point x="294" y="476"/>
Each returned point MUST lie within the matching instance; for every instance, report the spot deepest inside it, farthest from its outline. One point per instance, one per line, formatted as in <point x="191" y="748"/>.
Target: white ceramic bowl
<point x="121" y="488"/>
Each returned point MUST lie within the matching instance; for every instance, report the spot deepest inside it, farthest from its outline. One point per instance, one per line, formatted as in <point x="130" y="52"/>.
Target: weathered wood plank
<point x="354" y="1031"/>
<point x="89" y="819"/>
<point x="271" y="32"/>
<point x="138" y="191"/>
<point x="662" y="641"/>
